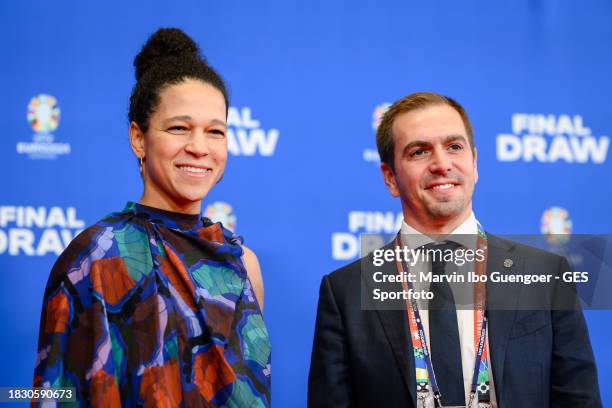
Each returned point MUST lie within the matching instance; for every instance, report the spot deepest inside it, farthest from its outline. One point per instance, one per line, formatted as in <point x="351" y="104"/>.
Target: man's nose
<point x="441" y="162"/>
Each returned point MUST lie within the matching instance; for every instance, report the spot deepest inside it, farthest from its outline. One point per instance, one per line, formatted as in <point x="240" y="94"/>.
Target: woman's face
<point x="185" y="148"/>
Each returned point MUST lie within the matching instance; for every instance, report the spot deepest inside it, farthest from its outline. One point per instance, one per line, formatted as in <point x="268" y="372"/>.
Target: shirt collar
<point x="169" y="219"/>
<point x="465" y="234"/>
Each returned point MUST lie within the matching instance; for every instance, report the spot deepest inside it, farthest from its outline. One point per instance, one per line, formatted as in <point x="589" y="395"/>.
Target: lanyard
<point x="425" y="374"/>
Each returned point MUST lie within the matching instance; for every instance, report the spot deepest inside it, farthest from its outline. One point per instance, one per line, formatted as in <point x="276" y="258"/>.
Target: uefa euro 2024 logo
<point x="43" y="116"/>
<point x="556" y="225"/>
<point x="371" y="155"/>
<point x="377" y="115"/>
<point x="222" y="212"/>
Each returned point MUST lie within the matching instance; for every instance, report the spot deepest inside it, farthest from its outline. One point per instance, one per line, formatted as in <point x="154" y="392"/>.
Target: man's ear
<point x="137" y="140"/>
<point x="389" y="177"/>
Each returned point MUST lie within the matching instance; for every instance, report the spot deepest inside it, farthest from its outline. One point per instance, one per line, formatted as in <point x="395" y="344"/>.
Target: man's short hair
<point x="420" y="100"/>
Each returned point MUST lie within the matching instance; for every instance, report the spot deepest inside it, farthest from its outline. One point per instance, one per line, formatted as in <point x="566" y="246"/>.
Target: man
<point x="365" y="358"/>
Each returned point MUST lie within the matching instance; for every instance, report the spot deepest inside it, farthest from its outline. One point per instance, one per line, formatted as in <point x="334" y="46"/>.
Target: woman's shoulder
<point x="228" y="235"/>
<point x="100" y="240"/>
<point x="98" y="235"/>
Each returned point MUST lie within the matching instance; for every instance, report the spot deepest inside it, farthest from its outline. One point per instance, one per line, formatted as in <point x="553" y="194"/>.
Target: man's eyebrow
<point x="453" y="138"/>
<point x="415" y="143"/>
<point x="425" y="143"/>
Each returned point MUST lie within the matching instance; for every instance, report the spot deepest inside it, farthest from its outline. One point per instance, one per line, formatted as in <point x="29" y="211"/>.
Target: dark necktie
<point x="444" y="332"/>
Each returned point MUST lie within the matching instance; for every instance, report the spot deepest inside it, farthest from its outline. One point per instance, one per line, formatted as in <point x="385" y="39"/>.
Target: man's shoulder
<point x="351" y="275"/>
<point x="347" y="272"/>
<point x="345" y="284"/>
<point x="524" y="251"/>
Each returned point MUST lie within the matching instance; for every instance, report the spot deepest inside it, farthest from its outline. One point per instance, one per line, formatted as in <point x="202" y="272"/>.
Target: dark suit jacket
<point x="539" y="358"/>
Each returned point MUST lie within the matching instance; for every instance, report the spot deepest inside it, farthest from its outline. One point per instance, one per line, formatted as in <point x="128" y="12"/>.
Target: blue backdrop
<point x="307" y="82"/>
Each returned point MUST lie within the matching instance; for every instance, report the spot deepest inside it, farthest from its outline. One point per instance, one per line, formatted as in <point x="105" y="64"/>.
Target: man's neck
<point x="437" y="227"/>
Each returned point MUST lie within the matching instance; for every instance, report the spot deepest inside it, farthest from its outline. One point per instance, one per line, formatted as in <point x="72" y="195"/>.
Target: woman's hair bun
<point x="165" y="43"/>
<point x="168" y="57"/>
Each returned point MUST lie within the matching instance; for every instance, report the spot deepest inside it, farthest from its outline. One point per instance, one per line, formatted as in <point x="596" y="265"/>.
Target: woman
<point x="155" y="305"/>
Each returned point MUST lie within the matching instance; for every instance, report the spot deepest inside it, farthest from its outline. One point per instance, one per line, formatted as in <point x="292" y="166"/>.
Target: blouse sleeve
<point x="74" y="342"/>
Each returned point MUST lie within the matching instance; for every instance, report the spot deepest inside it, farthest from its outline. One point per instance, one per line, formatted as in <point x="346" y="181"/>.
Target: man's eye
<point x="455" y="146"/>
<point x="417" y="153"/>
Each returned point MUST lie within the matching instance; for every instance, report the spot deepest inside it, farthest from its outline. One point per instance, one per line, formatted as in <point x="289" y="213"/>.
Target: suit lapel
<point x="501" y="318"/>
<point x="395" y="322"/>
<point x="395" y="325"/>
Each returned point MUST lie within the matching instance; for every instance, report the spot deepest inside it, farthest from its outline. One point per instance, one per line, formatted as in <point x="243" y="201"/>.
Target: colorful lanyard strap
<point x="425" y="375"/>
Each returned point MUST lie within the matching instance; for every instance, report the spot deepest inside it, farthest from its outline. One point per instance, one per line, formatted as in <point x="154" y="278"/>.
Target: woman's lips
<point x="194" y="171"/>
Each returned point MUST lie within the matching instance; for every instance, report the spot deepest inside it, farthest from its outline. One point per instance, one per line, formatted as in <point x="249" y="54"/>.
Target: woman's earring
<point x="141" y="159"/>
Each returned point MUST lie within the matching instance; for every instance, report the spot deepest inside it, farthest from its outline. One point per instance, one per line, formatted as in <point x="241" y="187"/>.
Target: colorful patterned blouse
<point x="153" y="308"/>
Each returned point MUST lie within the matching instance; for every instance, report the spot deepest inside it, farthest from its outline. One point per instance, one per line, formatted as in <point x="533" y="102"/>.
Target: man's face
<point x="435" y="170"/>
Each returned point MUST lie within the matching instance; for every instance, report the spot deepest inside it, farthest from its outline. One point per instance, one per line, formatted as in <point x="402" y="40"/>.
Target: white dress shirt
<point x="465" y="318"/>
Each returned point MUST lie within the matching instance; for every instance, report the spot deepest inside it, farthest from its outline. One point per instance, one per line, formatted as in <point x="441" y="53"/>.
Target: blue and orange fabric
<point x="154" y="308"/>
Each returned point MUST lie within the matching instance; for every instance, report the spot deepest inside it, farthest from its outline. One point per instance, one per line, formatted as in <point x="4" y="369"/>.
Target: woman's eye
<point x="217" y="133"/>
<point x="178" y="130"/>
